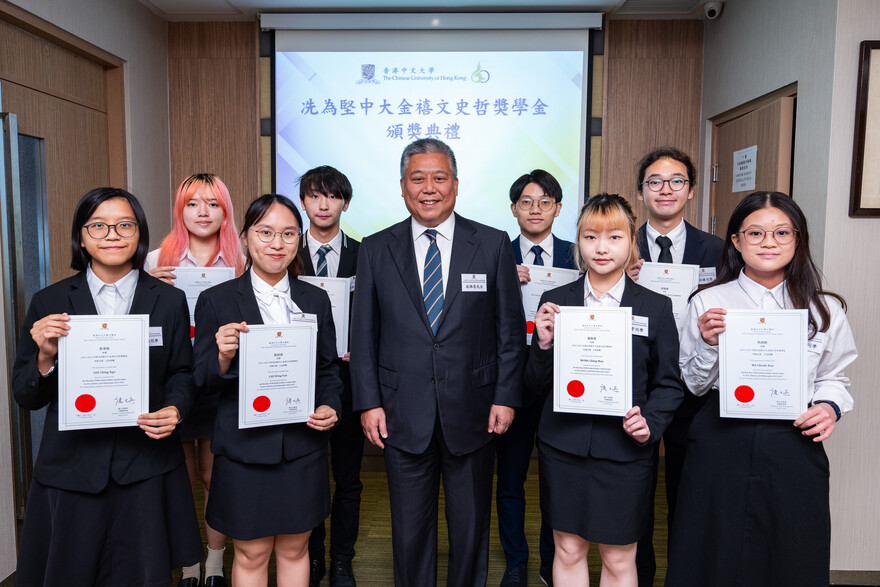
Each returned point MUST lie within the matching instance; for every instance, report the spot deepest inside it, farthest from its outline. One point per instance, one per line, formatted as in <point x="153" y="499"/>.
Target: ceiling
<point x="221" y="10"/>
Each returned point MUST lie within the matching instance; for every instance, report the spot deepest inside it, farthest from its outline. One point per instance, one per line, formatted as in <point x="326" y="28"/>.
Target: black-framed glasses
<point x="676" y="184"/>
<point x="99" y="230"/>
<point x="545" y="204"/>
<point x="755" y="236"/>
<point x="267" y="236"/>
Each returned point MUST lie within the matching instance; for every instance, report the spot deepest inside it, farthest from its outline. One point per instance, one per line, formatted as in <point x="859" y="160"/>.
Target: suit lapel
<point x="80" y="297"/>
<point x="306" y="256"/>
<point x="644" y="250"/>
<point x="347" y="259"/>
<point x="562" y="254"/>
<point x="246" y="301"/>
<point x="630" y="295"/>
<point x="692" y="248"/>
<point x="464" y="246"/>
<point x="400" y="246"/>
<point x="517" y="253"/>
<point x="574" y="295"/>
<point x="145" y="296"/>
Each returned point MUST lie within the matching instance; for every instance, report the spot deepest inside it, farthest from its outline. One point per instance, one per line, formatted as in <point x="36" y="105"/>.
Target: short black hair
<point x="325" y="180"/>
<point x="79" y="257"/>
<point x="548" y="183"/>
<point x="666" y="153"/>
<point x="257" y="210"/>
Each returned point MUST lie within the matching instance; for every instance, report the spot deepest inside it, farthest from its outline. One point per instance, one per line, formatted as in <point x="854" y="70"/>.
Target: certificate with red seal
<point x="103" y="372"/>
<point x="762" y="360"/>
<point x="592" y="361"/>
<point x="542" y="279"/>
<point x="276" y="378"/>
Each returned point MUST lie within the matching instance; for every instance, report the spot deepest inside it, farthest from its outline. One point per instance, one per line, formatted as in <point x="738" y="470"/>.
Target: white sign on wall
<point x="744" y="164"/>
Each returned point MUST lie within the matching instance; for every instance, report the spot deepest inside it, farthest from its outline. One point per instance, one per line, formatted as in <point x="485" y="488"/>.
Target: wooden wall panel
<point x="653" y="80"/>
<point x="214" y="93"/>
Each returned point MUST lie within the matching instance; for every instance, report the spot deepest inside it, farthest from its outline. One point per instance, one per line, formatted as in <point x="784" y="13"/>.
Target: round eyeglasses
<point x="675" y="184"/>
<point x="267" y="236"/>
<point x="755" y="236"/>
<point x="99" y="230"/>
<point x="545" y="204"/>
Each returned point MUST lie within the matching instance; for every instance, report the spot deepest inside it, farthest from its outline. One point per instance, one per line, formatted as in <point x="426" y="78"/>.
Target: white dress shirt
<point x="528" y="257"/>
<point x="677" y="235"/>
<point x="274" y="300"/>
<point x="112" y="298"/>
<point x="835" y="349"/>
<point x="332" y="255"/>
<point x="421" y="242"/>
<point x="609" y="299"/>
<point x="186" y="260"/>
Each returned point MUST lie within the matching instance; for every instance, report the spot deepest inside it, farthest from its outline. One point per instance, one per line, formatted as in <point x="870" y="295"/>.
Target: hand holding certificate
<point x="592" y="361"/>
<point x="542" y="279"/>
<point x="763" y="364"/>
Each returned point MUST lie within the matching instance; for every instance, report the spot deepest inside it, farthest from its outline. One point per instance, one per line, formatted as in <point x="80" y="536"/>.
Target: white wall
<point x="129" y="30"/>
<point x="755" y="47"/>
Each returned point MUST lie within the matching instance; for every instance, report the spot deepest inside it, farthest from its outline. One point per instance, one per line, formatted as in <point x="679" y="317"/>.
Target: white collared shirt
<point x="699" y="361"/>
<point x="186" y="260"/>
<point x="421" y="242"/>
<point x="609" y="299"/>
<point x="112" y="298"/>
<point x="528" y="257"/>
<point x="274" y="301"/>
<point x="332" y="256"/>
<point x="677" y="235"/>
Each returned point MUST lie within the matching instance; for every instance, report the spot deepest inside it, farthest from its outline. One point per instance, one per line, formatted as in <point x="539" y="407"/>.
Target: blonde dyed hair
<point x="607" y="212"/>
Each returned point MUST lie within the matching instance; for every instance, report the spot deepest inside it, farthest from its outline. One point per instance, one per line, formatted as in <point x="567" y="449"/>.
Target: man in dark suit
<point x="325" y="193"/>
<point x="535" y="201"/>
<point x="436" y="365"/>
<point x="666" y="181"/>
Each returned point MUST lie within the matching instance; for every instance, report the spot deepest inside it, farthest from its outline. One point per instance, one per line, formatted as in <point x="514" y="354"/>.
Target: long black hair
<point x="803" y="279"/>
<point x="257" y="210"/>
<point x="79" y="257"/>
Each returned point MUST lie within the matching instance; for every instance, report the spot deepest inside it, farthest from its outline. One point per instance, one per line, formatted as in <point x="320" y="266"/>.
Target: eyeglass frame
<point x="298" y="234"/>
<point x="535" y="201"/>
<point x="793" y="231"/>
<point x="667" y="182"/>
<point x="88" y="228"/>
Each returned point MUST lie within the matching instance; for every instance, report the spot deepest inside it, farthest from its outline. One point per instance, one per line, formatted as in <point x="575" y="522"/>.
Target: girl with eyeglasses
<point x="108" y="506"/>
<point x="203" y="234"/>
<point x="271" y="483"/>
<point x="753" y="507"/>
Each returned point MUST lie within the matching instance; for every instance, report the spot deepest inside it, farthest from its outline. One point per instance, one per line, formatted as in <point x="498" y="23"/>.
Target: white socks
<point x="214" y="562"/>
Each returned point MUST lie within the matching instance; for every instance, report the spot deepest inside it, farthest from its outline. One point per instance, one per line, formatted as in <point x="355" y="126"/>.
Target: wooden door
<point x="768" y="128"/>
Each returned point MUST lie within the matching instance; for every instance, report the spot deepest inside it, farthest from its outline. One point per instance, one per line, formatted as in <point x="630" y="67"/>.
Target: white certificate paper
<point x="195" y="280"/>
<point x="103" y="372"/>
<point x="763" y="364"/>
<point x="673" y="280"/>
<point x="543" y="278"/>
<point x="592" y="361"/>
<point x="338" y="289"/>
<point x="276" y="379"/>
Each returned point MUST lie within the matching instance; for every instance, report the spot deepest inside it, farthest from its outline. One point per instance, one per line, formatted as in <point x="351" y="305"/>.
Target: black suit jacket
<point x="655" y="379"/>
<point x="86" y="460"/>
<point x="476" y="358"/>
<point x="234" y="301"/>
<point x="563" y="253"/>
<point x="700" y="248"/>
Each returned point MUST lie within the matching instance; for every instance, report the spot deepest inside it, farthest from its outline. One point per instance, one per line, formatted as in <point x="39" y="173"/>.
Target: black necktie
<point x="538" y="259"/>
<point x="665" y="244"/>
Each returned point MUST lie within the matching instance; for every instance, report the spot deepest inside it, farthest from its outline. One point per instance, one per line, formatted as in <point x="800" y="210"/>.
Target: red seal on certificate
<point x="744" y="394"/>
<point x="85" y="403"/>
<point x="530" y="327"/>
<point x="575" y="388"/>
<point x="262" y="403"/>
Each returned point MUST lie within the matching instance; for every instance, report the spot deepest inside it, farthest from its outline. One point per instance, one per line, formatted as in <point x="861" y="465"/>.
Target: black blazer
<point x="700" y="248"/>
<point x="234" y="301"/>
<point x="86" y="460"/>
<point x="656" y="385"/>
<point x="474" y="361"/>
<point x="347" y="267"/>
<point x="563" y="253"/>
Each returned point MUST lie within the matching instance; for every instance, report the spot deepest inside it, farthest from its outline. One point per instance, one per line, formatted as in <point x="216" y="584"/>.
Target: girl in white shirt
<point x="753" y="504"/>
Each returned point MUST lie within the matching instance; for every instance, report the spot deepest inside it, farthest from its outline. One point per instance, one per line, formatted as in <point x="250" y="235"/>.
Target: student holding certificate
<point x="271" y="483"/>
<point x="596" y="470"/>
<point x="203" y="234"/>
<point x="753" y="504"/>
<point x="107" y="506"/>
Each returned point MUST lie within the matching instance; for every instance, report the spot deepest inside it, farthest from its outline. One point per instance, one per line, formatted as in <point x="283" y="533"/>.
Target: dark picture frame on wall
<point x="864" y="199"/>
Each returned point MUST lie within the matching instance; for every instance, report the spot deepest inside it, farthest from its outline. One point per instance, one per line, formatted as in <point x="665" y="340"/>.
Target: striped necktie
<point x="432" y="290"/>
<point x="322" y="260"/>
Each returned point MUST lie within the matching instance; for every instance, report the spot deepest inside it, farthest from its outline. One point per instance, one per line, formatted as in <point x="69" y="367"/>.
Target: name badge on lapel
<point x="640" y="325"/>
<point x="303" y="318"/>
<point x="707" y="275"/>
<point x="155" y="336"/>
<point x="473" y="282"/>
<point x="817" y="343"/>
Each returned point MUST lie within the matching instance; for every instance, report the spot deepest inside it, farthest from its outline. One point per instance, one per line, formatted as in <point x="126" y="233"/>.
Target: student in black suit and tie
<point x="436" y="365"/>
<point x="271" y="483"/>
<point x="596" y="470"/>
<point x="665" y="183"/>
<point x="80" y="528"/>
<point x="536" y="200"/>
<point x="325" y="193"/>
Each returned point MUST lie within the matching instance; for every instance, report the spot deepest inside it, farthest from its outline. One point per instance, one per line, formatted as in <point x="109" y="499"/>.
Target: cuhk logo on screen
<point x="368" y="73"/>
